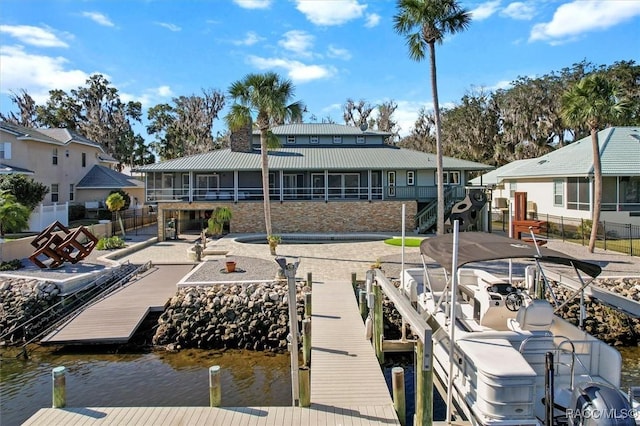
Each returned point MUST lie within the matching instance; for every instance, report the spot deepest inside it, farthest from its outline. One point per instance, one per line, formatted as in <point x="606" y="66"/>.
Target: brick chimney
<point x="241" y="139"/>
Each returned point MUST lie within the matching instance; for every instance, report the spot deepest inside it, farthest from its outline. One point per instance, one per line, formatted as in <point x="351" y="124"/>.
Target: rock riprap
<point x="251" y="316"/>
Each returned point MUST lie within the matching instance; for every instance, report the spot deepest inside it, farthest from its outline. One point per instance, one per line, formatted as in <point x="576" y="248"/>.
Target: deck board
<point x="116" y="318"/>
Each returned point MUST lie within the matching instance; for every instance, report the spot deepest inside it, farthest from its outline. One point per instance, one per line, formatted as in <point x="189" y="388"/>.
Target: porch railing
<point x="332" y="193"/>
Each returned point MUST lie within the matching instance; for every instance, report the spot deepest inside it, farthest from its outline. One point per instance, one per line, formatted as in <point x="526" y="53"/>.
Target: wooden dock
<point x="116" y="318"/>
<point x="347" y="383"/>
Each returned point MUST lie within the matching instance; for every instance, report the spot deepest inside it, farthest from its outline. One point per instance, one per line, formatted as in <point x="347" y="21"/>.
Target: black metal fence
<point x="619" y="237"/>
<point x="136" y="221"/>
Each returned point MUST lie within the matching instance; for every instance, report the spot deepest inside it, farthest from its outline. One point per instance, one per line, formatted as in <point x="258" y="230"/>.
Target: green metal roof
<point x="322" y="129"/>
<point x="619" y="153"/>
<point x="315" y="158"/>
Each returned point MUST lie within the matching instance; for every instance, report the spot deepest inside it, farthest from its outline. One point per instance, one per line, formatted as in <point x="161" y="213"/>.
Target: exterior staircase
<point x="428" y="216"/>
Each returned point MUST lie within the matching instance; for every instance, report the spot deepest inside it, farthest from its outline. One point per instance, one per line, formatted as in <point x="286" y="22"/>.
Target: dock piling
<point x="304" y="375"/>
<point x="309" y="279"/>
<point x="215" y="392"/>
<point x="307" y="304"/>
<point x="378" y="323"/>
<point x="59" y="387"/>
<point x="399" y="397"/>
<point x="306" y="341"/>
<point x="362" y="303"/>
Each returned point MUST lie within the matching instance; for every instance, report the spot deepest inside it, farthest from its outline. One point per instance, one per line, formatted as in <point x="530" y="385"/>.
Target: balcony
<point x="328" y="193"/>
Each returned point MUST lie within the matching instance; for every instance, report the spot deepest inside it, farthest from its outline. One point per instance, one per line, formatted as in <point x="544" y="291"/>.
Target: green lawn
<point x="408" y="242"/>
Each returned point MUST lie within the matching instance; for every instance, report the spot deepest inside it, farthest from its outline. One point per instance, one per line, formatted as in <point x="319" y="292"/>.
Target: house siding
<point x="306" y="216"/>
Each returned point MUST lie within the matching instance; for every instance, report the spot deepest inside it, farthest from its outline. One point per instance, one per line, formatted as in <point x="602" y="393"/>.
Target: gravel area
<point x="247" y="269"/>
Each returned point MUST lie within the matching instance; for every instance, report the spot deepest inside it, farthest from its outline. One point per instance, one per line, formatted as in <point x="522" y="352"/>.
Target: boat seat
<point x="536" y="316"/>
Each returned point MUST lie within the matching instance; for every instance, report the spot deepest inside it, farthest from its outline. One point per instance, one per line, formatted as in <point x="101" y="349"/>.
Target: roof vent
<point x="542" y="161"/>
<point x="364" y="126"/>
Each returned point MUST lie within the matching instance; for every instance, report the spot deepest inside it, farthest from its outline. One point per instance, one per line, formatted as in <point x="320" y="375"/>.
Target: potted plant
<point x="231" y="265"/>
<point x="377" y="264"/>
<point x="273" y="241"/>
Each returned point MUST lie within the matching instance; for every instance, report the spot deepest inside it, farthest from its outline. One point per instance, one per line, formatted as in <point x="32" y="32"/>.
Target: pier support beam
<point x="307" y="304"/>
<point x="306" y="342"/>
<point x="304" y="375"/>
<point x="378" y="322"/>
<point x="59" y="387"/>
<point x="424" y="387"/>
<point x="362" y="303"/>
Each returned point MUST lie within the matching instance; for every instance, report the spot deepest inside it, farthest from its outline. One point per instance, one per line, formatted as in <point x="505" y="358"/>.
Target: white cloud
<point x="250" y="39"/>
<point x="151" y="96"/>
<point x="578" y="17"/>
<point x="407" y="113"/>
<point x="253" y="4"/>
<point x="35" y="36"/>
<point x="99" y="18"/>
<point x="373" y="19"/>
<point x="37" y="74"/>
<point x="297" y="71"/>
<point x="297" y="41"/>
<point x="336" y="52"/>
<point x="485" y="10"/>
<point x="170" y="27"/>
<point x="519" y="10"/>
<point x="331" y="12"/>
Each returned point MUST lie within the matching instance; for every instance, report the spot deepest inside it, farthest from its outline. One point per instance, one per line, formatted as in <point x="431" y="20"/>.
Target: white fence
<point x="43" y="216"/>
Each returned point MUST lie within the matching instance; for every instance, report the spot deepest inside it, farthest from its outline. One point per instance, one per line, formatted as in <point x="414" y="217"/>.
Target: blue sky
<point x="154" y="50"/>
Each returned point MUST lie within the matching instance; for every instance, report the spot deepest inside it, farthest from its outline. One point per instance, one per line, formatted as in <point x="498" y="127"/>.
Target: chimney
<point x="241" y="139"/>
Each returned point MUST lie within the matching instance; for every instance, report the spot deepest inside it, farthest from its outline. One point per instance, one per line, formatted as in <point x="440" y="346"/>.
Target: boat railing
<point x="557" y="350"/>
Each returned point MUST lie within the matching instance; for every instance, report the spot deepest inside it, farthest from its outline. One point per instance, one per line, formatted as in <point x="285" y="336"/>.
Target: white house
<point x="560" y="183"/>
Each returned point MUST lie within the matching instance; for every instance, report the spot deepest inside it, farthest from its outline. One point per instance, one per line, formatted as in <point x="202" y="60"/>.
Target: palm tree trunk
<point x="439" y="167"/>
<point x="265" y="180"/>
<point x="597" y="189"/>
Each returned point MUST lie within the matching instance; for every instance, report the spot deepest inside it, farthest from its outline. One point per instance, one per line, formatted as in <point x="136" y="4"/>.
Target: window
<point x="578" y="194"/>
<point x="54" y="192"/>
<point x="313" y="139"/>
<point x="391" y="181"/>
<point x="558" y="193"/>
<point x="337" y="139"/>
<point x="5" y="151"/>
<point x="291" y="139"/>
<point x="66" y="153"/>
<point x="360" y="139"/>
<point x="84" y="159"/>
<point x="513" y="187"/>
<point x="71" y="188"/>
<point x="55" y="156"/>
<point x="410" y="178"/>
<point x="450" y="178"/>
<point x="344" y="185"/>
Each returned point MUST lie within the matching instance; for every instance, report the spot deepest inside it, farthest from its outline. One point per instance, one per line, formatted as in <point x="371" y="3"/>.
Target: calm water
<point x="169" y="379"/>
<point x="151" y="379"/>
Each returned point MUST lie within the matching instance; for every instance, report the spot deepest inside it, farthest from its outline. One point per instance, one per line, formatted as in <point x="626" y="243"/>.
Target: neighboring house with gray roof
<point x="324" y="178"/>
<point x="74" y="168"/>
<point x="560" y="183"/>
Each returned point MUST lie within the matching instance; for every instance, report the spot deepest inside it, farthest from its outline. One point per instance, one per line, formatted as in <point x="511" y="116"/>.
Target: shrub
<point x="110" y="243"/>
<point x="11" y="265"/>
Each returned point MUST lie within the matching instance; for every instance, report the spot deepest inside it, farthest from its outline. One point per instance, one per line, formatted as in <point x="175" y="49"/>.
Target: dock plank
<point x="116" y="318"/>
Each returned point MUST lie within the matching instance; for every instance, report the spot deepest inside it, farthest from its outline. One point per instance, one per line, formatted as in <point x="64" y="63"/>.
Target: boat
<point x="513" y="361"/>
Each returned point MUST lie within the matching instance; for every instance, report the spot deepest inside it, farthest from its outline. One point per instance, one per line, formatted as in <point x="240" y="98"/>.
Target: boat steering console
<point x="513" y="296"/>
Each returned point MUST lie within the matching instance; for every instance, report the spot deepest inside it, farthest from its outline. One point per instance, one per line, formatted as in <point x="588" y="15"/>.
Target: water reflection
<point x="150" y="379"/>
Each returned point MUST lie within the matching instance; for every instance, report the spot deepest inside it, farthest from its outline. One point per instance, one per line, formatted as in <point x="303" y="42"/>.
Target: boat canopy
<point x="482" y="246"/>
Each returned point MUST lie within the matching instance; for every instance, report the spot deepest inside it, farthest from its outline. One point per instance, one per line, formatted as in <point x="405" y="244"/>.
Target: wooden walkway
<point x="347" y="383"/>
<point x="116" y="318"/>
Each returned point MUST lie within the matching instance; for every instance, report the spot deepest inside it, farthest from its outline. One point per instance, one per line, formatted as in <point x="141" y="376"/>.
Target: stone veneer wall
<point x="309" y="216"/>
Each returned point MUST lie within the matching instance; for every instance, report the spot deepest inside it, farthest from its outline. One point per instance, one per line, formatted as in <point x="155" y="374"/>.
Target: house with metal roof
<point x="560" y="183"/>
<point x="74" y="168"/>
<point x="323" y="178"/>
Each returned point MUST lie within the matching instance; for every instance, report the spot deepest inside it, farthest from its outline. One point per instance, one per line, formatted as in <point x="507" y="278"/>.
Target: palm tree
<point x="594" y="102"/>
<point x="425" y="23"/>
<point x="267" y="98"/>
<point x="13" y="215"/>
<point x="115" y="202"/>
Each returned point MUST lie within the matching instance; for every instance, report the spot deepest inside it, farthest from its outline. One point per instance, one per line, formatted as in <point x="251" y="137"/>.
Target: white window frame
<point x="291" y="140"/>
<point x="337" y="139"/>
<point x="314" y="139"/>
<point x="391" y="184"/>
<point x="5" y="151"/>
<point x="411" y="178"/>
<point x="55" y="194"/>
<point x="360" y="139"/>
<point x="71" y="192"/>
<point x="54" y="158"/>
<point x="558" y="192"/>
